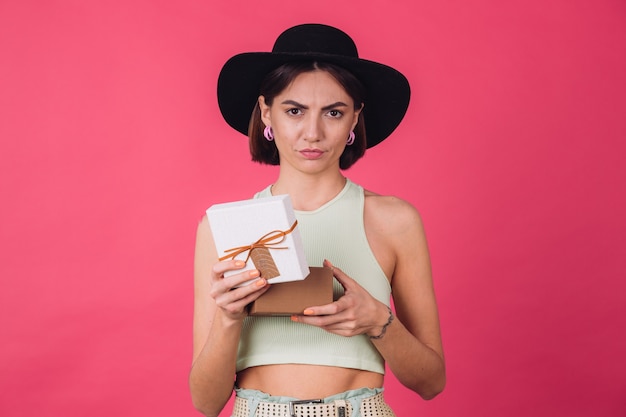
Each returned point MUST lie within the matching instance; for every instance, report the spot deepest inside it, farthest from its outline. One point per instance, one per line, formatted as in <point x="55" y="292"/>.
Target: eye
<point x="335" y="113"/>
<point x="294" y="111"/>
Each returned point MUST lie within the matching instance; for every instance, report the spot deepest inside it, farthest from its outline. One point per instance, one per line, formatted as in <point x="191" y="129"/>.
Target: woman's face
<point x="311" y="119"/>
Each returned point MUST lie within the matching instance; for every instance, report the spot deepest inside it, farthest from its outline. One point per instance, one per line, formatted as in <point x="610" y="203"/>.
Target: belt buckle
<point x="292" y="404"/>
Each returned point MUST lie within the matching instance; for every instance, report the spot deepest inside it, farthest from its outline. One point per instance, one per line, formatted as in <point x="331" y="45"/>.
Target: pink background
<point x="112" y="147"/>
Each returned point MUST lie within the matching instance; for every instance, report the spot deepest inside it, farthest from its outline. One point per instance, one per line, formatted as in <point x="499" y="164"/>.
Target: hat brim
<point x="387" y="90"/>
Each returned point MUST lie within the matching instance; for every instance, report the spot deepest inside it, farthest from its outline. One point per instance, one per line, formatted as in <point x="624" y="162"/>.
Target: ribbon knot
<point x="268" y="240"/>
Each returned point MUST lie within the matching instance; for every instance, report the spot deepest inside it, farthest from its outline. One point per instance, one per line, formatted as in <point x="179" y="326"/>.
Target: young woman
<point x="315" y="108"/>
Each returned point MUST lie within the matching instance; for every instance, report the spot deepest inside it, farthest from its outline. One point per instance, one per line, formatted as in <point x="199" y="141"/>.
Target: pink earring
<point x="268" y="133"/>
<point x="351" y="137"/>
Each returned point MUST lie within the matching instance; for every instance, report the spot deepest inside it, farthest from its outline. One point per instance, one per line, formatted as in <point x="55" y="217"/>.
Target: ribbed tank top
<point x="336" y="232"/>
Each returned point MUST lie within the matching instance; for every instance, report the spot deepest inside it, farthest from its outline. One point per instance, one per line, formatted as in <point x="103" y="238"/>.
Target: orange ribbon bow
<point x="266" y="241"/>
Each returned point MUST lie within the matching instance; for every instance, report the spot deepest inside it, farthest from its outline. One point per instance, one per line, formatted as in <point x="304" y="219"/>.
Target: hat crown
<point x="317" y="39"/>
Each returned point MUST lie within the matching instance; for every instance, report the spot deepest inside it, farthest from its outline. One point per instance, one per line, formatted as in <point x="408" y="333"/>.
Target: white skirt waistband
<point x="356" y="403"/>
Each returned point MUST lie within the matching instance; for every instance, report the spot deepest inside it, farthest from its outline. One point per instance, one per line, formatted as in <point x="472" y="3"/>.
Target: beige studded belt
<point x="374" y="406"/>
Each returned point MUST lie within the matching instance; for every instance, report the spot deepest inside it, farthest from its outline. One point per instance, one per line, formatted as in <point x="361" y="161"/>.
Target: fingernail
<point x="254" y="273"/>
<point x="261" y="282"/>
<point x="294" y="318"/>
<point x="308" y="312"/>
<point x="240" y="264"/>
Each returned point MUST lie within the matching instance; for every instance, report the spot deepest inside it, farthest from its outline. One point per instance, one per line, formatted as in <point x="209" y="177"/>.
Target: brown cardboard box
<point x="287" y="298"/>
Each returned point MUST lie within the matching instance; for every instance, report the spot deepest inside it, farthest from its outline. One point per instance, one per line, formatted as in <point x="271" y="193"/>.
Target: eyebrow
<point x="302" y="106"/>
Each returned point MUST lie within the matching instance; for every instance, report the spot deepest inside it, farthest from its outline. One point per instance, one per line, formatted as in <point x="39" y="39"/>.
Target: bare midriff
<point x="306" y="381"/>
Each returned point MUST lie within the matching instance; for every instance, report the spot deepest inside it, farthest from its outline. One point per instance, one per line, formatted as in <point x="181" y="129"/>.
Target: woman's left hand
<point x="356" y="312"/>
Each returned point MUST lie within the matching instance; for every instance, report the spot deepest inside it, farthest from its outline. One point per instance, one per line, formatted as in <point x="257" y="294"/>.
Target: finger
<point x="221" y="267"/>
<point x="242" y="279"/>
<point x="240" y="285"/>
<point x="237" y="301"/>
<point x="320" y="320"/>
<point x="323" y="310"/>
<point x="341" y="276"/>
<point x="246" y="293"/>
<point x="339" y="309"/>
<point x="337" y="324"/>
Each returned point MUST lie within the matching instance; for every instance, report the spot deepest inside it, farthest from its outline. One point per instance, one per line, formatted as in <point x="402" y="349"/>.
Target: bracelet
<point x="384" y="330"/>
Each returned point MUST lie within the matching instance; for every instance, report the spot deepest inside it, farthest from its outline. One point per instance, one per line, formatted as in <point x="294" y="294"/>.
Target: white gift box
<point x="264" y="233"/>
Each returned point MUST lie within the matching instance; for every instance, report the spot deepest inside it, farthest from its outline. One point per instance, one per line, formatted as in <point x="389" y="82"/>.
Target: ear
<point x="265" y="111"/>
<point x="356" y="115"/>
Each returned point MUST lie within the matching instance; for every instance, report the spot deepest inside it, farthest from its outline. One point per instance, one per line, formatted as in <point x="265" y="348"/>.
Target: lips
<point x="311" y="153"/>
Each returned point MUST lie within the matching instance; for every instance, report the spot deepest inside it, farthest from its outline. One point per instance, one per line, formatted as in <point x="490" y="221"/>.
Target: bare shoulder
<point x="391" y="214"/>
<point x="396" y="235"/>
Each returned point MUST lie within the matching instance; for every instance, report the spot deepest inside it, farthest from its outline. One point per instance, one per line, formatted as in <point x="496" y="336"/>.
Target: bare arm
<point x="412" y="344"/>
<point x="219" y="310"/>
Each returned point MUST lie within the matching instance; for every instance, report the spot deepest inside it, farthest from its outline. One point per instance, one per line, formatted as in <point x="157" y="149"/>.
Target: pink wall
<point x="111" y="147"/>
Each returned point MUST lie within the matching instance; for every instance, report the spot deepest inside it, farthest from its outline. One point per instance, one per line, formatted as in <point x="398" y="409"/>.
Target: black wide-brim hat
<point x="387" y="90"/>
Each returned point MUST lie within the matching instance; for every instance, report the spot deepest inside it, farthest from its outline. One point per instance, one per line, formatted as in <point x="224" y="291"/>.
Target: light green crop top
<point x="335" y="232"/>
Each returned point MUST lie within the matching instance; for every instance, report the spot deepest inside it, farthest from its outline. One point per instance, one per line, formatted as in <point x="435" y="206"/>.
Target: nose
<point x="313" y="131"/>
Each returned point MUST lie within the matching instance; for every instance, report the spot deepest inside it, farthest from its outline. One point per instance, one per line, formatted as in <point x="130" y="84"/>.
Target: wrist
<point x="227" y="321"/>
<point x="383" y="330"/>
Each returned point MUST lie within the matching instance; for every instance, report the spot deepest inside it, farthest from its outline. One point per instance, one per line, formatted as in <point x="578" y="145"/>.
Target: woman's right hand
<point x="230" y="296"/>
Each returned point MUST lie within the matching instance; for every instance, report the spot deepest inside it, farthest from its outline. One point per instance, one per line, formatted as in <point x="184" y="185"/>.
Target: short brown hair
<point x="275" y="82"/>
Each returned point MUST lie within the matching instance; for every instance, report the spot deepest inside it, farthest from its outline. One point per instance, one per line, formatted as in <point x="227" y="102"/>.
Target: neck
<point x="309" y="192"/>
